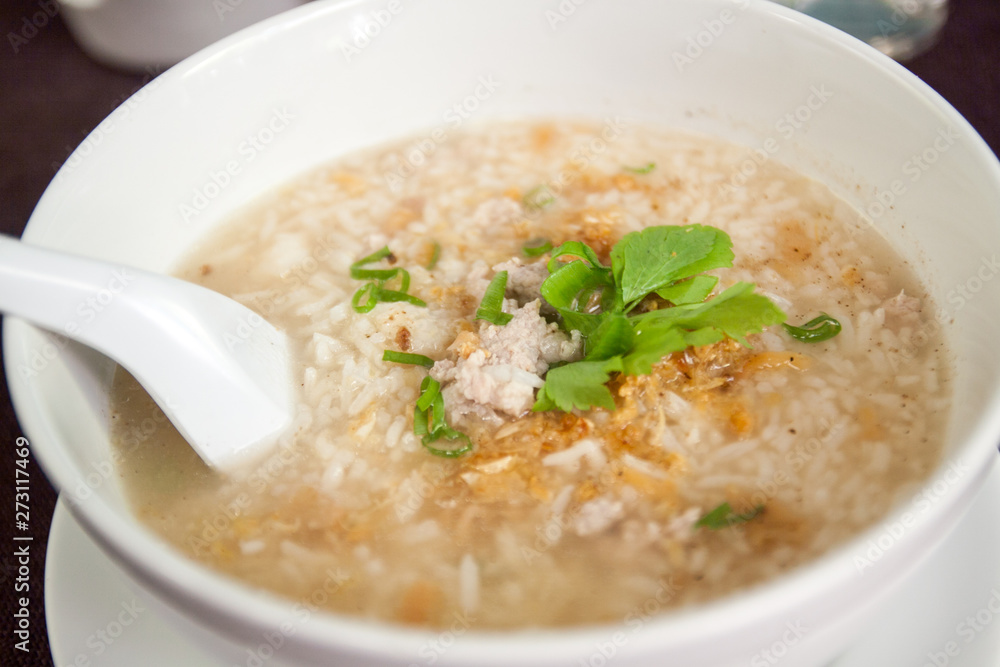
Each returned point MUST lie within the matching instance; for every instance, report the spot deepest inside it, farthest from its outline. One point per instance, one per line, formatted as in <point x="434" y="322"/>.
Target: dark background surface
<point x="52" y="96"/>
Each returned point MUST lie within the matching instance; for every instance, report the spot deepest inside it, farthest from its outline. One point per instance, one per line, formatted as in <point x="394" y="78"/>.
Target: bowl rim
<point x="134" y="547"/>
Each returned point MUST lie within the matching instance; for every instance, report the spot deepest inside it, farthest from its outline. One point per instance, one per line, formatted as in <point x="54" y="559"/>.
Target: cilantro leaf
<point x="582" y="251"/>
<point x="651" y="259"/>
<point x="578" y="385"/>
<point x="737" y="312"/>
<point x="692" y="290"/>
<point x="656" y="340"/>
<point x="570" y="288"/>
<point x="612" y="337"/>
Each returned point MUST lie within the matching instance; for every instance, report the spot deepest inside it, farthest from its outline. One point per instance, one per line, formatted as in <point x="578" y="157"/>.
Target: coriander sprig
<point x="600" y="302"/>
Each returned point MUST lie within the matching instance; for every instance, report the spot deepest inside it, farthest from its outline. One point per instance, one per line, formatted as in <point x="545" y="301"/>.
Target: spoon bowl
<point x="218" y="370"/>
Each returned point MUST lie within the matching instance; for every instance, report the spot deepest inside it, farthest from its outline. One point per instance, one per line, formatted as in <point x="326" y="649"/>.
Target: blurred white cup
<point x="138" y="34"/>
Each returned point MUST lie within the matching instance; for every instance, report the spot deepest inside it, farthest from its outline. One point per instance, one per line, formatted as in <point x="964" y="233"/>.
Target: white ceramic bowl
<point x="254" y="110"/>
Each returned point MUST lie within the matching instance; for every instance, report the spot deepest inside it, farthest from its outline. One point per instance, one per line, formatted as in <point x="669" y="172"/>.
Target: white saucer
<point x="88" y="602"/>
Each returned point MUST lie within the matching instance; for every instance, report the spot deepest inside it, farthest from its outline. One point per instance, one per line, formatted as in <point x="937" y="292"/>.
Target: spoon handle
<point x="218" y="370"/>
<point x="59" y="292"/>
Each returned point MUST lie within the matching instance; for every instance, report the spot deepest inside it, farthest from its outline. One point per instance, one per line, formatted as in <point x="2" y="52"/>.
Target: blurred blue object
<point x="901" y="29"/>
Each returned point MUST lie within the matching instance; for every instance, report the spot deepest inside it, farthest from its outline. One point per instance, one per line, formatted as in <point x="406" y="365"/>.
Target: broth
<point x="554" y="518"/>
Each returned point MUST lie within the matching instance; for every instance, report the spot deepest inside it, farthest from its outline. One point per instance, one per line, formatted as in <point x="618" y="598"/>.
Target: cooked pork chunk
<point x="524" y="281"/>
<point x="498" y="369"/>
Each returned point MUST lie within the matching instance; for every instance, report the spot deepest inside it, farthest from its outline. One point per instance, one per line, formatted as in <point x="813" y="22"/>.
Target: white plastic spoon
<point x="218" y="370"/>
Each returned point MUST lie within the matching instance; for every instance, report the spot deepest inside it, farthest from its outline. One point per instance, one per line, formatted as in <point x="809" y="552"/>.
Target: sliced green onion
<point x="430" y="424"/>
<point x="407" y="358"/>
<point x="644" y="169"/>
<point x="436" y="419"/>
<point x="393" y="296"/>
<point x="374" y="274"/>
<point x="491" y="307"/>
<point x="723" y="517"/>
<point x="538" y="198"/>
<point x="435" y="256"/>
<point x="451" y="435"/>
<point x="576" y="249"/>
<point x="569" y="291"/>
<point x="430" y="389"/>
<point x="537" y="247"/>
<point x="382" y="276"/>
<point x="419" y="421"/>
<point x="373" y="293"/>
<point x="613" y="336"/>
<point x="379" y="254"/>
<point x="365" y="298"/>
<point x="815" y="330"/>
<point x="370" y="294"/>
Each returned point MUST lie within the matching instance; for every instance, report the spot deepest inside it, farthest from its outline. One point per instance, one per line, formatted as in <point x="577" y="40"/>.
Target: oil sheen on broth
<point x="554" y="518"/>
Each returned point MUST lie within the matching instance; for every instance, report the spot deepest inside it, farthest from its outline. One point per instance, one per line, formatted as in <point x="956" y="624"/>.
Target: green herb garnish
<point x="644" y="169"/>
<point x="536" y="248"/>
<point x="538" y="198"/>
<point x="600" y="302"/>
<point x="407" y="358"/>
<point x="430" y="424"/>
<point x="815" y="330"/>
<point x="723" y="516"/>
<point x="658" y="257"/>
<point x="360" y="273"/>
<point x="578" y="385"/>
<point x="490" y="308"/>
<point x="435" y="256"/>
<point x="374" y="292"/>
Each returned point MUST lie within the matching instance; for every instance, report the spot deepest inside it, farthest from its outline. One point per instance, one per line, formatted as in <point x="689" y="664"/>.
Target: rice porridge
<point x="713" y="469"/>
